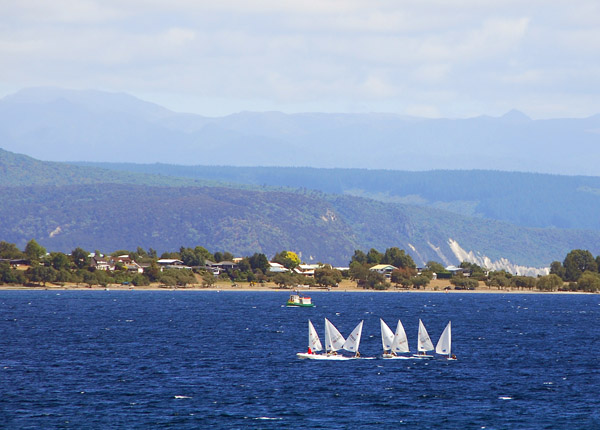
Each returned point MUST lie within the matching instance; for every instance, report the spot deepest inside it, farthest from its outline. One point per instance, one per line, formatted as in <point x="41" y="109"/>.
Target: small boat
<point x="351" y="344"/>
<point x="424" y="344"/>
<point x="314" y="343"/>
<point x="334" y="341"/>
<point x="394" y="343"/>
<point x="444" y="345"/>
<point x="297" y="300"/>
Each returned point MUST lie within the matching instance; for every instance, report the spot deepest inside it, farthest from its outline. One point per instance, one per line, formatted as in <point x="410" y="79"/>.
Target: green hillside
<point x="21" y="170"/>
<point x="64" y="206"/>
<point x="525" y="199"/>
<point x="320" y="227"/>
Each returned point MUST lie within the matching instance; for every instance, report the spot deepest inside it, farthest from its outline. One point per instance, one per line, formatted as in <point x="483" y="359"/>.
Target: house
<point x="171" y="263"/>
<point x="100" y="263"/>
<point x="276" y="267"/>
<point x="385" y="269"/>
<point x="307" y="269"/>
<point x="19" y="264"/>
<point x="457" y="271"/>
<point x="128" y="263"/>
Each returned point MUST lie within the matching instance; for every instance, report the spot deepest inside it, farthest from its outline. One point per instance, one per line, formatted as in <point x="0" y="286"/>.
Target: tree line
<point x="580" y="270"/>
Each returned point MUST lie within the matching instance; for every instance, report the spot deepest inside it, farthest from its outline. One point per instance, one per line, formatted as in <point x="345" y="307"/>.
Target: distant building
<point x="171" y="263"/>
<point x="100" y="263"/>
<point x="385" y="269"/>
<point x="276" y="267"/>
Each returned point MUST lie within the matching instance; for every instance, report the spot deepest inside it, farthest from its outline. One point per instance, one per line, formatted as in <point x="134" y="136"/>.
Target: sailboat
<point x="444" y="345"/>
<point x="334" y="341"/>
<point x="424" y="344"/>
<point x="393" y="343"/>
<point x="351" y="344"/>
<point x="314" y="343"/>
<point x="387" y="338"/>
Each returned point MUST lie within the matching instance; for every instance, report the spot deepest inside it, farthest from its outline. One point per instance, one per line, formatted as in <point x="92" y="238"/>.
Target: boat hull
<point x="396" y="357"/>
<point x="323" y="357"/>
<point x="299" y="305"/>
<point x="422" y="356"/>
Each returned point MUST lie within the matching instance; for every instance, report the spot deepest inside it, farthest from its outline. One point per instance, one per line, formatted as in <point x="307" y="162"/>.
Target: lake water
<point x="174" y="359"/>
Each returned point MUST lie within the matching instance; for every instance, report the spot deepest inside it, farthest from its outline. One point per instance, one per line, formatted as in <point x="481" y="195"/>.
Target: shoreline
<point x="346" y="286"/>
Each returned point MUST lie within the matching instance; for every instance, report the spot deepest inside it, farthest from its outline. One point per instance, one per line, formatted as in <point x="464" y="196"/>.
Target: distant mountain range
<point x="63" y="125"/>
<point x="64" y="206"/>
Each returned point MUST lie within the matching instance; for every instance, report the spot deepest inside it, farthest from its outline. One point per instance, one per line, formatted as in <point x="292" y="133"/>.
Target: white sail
<point x="351" y="344"/>
<point x="314" y="342"/>
<point x="444" y="344"/>
<point x="387" y="336"/>
<point x="400" y="343"/>
<point x="424" y="343"/>
<point x="333" y="338"/>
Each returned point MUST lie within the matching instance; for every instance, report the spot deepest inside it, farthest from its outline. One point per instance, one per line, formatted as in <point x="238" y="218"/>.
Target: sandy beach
<point x="436" y="286"/>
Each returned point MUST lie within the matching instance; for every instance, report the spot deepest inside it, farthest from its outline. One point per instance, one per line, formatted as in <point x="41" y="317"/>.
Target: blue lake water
<point x="174" y="359"/>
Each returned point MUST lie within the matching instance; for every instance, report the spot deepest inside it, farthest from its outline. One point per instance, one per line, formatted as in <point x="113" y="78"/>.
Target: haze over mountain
<point x="65" y="125"/>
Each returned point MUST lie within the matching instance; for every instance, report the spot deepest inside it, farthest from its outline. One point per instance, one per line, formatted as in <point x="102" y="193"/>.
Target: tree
<point x="284" y="279"/>
<point x="402" y="277"/>
<point x="59" y="261"/>
<point x="499" y="279"/>
<point x="374" y="257"/>
<point x="523" y="282"/>
<point x="208" y="279"/>
<point x="398" y="258"/>
<point x="8" y="275"/>
<point x="420" y="281"/>
<point x="80" y="258"/>
<point x="328" y="277"/>
<point x="41" y="274"/>
<point x="10" y="251"/>
<point x="578" y="261"/>
<point x="288" y="259"/>
<point x="34" y="251"/>
<point x="359" y="257"/>
<point x="358" y="272"/>
<point x="259" y="262"/>
<point x="551" y="282"/>
<point x="190" y="257"/>
<point x="589" y="281"/>
<point x="376" y="281"/>
<point x="556" y="268"/>
<point x="152" y="271"/>
<point x="435" y="267"/>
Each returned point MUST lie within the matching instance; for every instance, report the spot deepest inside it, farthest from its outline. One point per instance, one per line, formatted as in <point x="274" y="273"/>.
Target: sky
<point x="429" y="58"/>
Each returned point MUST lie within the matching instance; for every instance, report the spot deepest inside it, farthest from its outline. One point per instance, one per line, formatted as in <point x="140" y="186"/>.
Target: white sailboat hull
<point x="308" y="356"/>
<point x="396" y="357"/>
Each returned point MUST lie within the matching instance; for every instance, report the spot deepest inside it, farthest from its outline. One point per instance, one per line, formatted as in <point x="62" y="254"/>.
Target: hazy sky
<point x="451" y="58"/>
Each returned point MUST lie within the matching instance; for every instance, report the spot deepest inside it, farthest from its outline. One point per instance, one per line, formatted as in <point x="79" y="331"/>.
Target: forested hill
<point x="108" y="210"/>
<point x="320" y="227"/>
<point x="21" y="170"/>
<point x="524" y="199"/>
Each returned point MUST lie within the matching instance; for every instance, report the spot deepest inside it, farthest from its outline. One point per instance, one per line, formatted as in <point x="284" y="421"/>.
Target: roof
<point x="383" y="267"/>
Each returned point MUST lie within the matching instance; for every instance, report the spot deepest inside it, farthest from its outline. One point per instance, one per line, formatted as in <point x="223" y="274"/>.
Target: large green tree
<point x="80" y="257"/>
<point x="551" y="282"/>
<point x="589" y="281"/>
<point x="259" y="262"/>
<point x="328" y="277"/>
<point x="10" y="251"/>
<point x="398" y="258"/>
<point x="34" y="251"/>
<point x="578" y="261"/>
